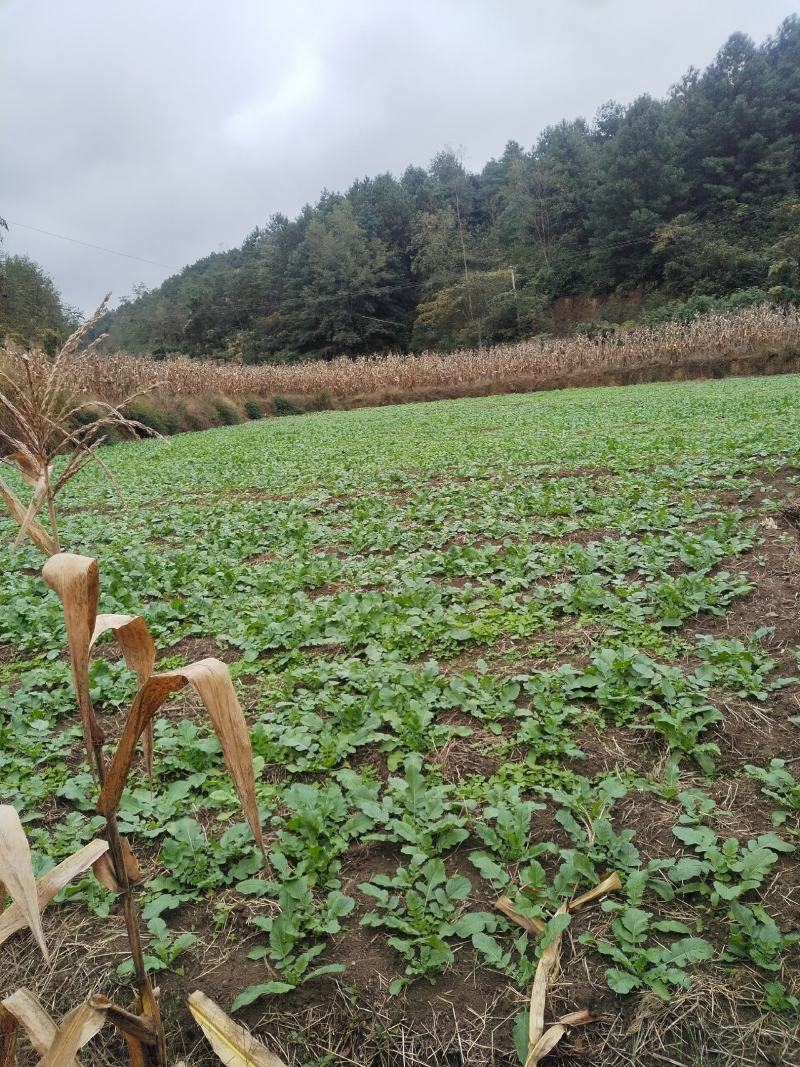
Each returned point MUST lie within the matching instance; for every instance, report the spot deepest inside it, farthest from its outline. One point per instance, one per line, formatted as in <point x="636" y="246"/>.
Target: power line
<point x="99" y="248"/>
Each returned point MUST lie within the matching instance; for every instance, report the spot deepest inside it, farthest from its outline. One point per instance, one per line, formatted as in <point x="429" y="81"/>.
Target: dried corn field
<point x="739" y="334"/>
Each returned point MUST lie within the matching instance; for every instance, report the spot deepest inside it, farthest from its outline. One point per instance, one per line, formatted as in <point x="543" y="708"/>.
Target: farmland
<point x="485" y="647"/>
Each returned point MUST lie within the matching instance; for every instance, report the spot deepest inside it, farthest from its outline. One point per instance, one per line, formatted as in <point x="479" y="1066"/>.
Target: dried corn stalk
<point x="39" y="481"/>
<point x="37" y="533"/>
<point x="234" y="1044"/>
<point x="76" y="581"/>
<point x="738" y="333"/>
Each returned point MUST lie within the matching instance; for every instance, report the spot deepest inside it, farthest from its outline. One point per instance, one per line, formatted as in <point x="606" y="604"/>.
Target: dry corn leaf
<point x="134" y="639"/>
<point x="43" y="540"/>
<point x="76" y="581"/>
<point x="27" y="465"/>
<point x="42" y="1031"/>
<point x="139" y="653"/>
<point x="553" y="1034"/>
<point x="548" y="964"/>
<point x="16" y="873"/>
<point x="77" y="1027"/>
<point x="609" y="885"/>
<point x="211" y="681"/>
<point x="575" y="1018"/>
<point x="234" y="1044"/>
<point x="528" y="923"/>
<point x="540" y="1041"/>
<point x="8" y="1038"/>
<point x="145" y="705"/>
<point x="26" y="1009"/>
<point x="37" y="499"/>
<point x="15" y="917"/>
<point x="136" y="1029"/>
<point x="546" y="1043"/>
<point x="104" y="871"/>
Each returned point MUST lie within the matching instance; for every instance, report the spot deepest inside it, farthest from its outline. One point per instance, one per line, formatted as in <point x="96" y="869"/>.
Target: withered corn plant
<point x="671" y="344"/>
<point x="45" y="414"/>
<point x="57" y="1043"/>
<point x="39" y="403"/>
<point x="75" y="579"/>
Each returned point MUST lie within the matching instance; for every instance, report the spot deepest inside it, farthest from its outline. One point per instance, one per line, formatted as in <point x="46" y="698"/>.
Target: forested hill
<point x="688" y="197"/>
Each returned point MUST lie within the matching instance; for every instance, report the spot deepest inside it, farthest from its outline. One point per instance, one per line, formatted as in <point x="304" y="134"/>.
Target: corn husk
<point x="541" y="1040"/>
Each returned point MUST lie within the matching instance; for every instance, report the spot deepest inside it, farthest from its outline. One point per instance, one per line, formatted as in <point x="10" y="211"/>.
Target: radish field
<point x="487" y="649"/>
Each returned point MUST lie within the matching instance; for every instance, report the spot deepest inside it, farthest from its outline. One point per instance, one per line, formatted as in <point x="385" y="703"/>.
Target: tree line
<point x="684" y="202"/>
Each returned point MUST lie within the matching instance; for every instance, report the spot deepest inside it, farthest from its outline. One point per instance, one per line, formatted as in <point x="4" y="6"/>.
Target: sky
<point x="169" y="129"/>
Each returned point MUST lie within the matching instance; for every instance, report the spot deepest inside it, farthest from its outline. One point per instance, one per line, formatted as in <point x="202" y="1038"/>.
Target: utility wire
<point x="99" y="248"/>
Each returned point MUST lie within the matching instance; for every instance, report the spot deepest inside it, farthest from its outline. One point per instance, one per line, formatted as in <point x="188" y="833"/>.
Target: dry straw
<point x="114" y="376"/>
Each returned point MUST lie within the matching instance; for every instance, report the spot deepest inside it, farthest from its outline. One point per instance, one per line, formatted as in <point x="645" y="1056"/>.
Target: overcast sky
<point x="167" y="129"/>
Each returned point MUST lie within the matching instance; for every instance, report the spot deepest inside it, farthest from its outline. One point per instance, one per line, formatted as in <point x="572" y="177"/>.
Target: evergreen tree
<point x="696" y="195"/>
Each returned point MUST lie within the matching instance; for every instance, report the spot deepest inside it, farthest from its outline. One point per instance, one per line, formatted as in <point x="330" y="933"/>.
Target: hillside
<point x="658" y="208"/>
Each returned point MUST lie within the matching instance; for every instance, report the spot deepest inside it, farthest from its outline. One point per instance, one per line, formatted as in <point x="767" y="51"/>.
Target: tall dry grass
<point x="735" y="334"/>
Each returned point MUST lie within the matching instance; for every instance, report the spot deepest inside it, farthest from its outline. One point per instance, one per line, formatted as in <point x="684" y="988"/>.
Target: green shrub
<point x="157" y="417"/>
<point x="252" y="408"/>
<point x="197" y="414"/>
<point x="227" y="411"/>
<point x="88" y="414"/>
<point x="322" y="401"/>
<point x="284" y="405"/>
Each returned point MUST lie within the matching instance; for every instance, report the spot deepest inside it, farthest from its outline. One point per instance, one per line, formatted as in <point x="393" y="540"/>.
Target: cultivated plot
<point x="489" y="650"/>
